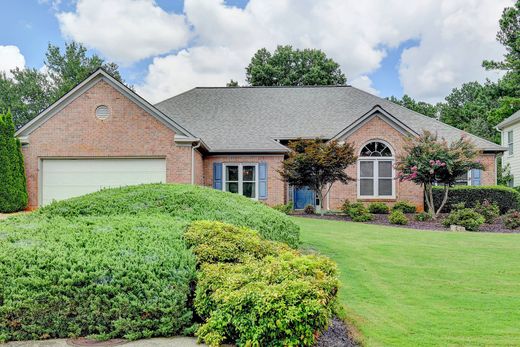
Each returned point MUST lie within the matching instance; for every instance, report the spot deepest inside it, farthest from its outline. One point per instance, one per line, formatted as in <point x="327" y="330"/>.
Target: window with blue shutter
<point x="217" y="176"/>
<point x="475" y="177"/>
<point x="262" y="181"/>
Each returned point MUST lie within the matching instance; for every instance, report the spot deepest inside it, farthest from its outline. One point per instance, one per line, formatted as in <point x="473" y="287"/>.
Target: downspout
<point x="193" y="148"/>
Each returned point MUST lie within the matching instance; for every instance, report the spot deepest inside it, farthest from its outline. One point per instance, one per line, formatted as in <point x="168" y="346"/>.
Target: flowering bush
<point x="428" y="161"/>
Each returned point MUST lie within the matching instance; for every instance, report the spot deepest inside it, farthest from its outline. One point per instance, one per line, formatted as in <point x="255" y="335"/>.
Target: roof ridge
<point x="273" y="87"/>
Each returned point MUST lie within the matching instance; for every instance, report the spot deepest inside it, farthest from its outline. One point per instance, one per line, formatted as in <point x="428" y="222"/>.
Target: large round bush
<point x="117" y="276"/>
<point x="183" y="202"/>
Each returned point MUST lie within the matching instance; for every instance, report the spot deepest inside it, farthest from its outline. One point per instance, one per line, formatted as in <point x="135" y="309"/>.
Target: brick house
<point x="102" y="134"/>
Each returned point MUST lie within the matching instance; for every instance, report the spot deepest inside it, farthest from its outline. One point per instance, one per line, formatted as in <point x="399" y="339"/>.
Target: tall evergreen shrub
<point x="13" y="189"/>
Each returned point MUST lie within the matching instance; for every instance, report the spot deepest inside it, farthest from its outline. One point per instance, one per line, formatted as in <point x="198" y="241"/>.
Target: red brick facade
<point x="129" y="131"/>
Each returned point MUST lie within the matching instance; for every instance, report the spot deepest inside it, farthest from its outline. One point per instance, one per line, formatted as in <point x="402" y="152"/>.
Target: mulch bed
<point x="382" y="219"/>
<point x="337" y="335"/>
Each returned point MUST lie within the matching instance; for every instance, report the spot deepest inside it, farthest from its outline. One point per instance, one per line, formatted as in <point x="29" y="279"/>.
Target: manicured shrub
<point x="309" y="209"/>
<point x="423" y="217"/>
<point x="107" y="277"/>
<point x="345" y="206"/>
<point x="182" y="202"/>
<point x="13" y="190"/>
<point x="378" y="208"/>
<point x="404" y="206"/>
<point x="490" y="211"/>
<point x="284" y="208"/>
<point x="359" y="213"/>
<point x="506" y="198"/>
<point x="267" y="295"/>
<point x="512" y="220"/>
<point x="466" y="217"/>
<point x="398" y="217"/>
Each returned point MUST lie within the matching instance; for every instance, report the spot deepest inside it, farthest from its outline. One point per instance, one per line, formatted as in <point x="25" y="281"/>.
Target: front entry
<point x="303" y="197"/>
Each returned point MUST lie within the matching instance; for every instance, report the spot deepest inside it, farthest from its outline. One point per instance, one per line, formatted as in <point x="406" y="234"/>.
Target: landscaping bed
<point x="382" y="219"/>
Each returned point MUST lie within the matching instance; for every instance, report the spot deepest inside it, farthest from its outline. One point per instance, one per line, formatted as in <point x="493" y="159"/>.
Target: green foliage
<point x="289" y="67"/>
<point x="490" y="211"/>
<point x="398" y="217"/>
<point x="426" y="161"/>
<point x="345" y="206"/>
<point x="30" y="91"/>
<point x="404" y="206"/>
<point x="260" y="293"/>
<point x="13" y="190"/>
<point x="466" y="217"/>
<point x="182" y="202"/>
<point x="285" y="208"/>
<point x="417" y="106"/>
<point x="107" y="277"/>
<point x="378" y="208"/>
<point x="318" y="164"/>
<point x="506" y="198"/>
<point x="423" y="217"/>
<point x="512" y="220"/>
<point x="309" y="209"/>
<point x="359" y="213"/>
<point x="215" y="242"/>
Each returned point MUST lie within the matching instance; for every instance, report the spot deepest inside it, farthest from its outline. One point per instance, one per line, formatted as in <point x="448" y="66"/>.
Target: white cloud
<point x="364" y="83"/>
<point x="10" y="58"/>
<point x="452" y="49"/>
<point x="214" y="42"/>
<point x="125" y="30"/>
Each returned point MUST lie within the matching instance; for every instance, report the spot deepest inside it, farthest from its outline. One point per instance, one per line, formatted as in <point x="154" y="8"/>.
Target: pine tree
<point x="13" y="189"/>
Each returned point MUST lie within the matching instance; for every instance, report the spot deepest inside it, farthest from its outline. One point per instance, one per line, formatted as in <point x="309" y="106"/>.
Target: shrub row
<point x="185" y="202"/>
<point x="255" y="292"/>
<point x="506" y="198"/>
<point x="107" y="277"/>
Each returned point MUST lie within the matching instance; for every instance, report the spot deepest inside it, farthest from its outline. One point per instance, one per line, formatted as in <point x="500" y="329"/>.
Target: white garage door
<point x="62" y="179"/>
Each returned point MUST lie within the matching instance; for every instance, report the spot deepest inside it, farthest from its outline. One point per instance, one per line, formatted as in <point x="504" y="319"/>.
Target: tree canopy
<point x="293" y="67"/>
<point x="30" y="91"/>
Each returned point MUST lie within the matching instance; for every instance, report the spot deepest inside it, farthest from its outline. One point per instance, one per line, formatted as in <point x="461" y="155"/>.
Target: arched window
<point x="376" y="171"/>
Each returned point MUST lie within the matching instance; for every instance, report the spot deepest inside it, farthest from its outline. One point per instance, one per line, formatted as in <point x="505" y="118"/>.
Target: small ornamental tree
<point x="13" y="190"/>
<point x="318" y="165"/>
<point x="428" y="161"/>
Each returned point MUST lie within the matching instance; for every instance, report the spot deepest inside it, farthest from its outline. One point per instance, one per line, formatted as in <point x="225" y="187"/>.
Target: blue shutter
<point x="475" y="177"/>
<point x="217" y="176"/>
<point x="262" y="181"/>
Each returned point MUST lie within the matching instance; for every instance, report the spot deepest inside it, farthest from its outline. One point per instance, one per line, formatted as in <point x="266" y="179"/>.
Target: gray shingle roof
<point x="509" y="120"/>
<point x="250" y="118"/>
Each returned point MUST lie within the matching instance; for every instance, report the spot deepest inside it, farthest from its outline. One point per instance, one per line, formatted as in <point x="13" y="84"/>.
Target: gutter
<point x="193" y="148"/>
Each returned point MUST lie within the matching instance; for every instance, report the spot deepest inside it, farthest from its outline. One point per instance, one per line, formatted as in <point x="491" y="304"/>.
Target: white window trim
<point x="376" y="177"/>
<point x="240" y="178"/>
<point x="512" y="143"/>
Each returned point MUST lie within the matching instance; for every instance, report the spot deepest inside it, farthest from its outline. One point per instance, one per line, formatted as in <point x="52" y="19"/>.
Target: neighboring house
<point x="510" y="134"/>
<point x="102" y="134"/>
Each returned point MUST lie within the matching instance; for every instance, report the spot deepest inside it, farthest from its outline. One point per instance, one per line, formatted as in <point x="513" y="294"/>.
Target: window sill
<point x="377" y="198"/>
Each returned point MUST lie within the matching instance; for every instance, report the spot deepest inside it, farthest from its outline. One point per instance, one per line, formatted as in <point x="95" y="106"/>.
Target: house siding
<point x="514" y="159"/>
<point x="129" y="131"/>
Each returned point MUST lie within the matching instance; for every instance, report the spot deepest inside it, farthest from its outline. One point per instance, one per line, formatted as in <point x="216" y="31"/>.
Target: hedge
<point x="183" y="202"/>
<point x="506" y="198"/>
<point x="13" y="190"/>
<point x="106" y="277"/>
<point x="255" y="292"/>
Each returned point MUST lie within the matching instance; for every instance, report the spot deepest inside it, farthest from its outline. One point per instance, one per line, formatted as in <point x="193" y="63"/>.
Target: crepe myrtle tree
<point x="318" y="164"/>
<point x="429" y="161"/>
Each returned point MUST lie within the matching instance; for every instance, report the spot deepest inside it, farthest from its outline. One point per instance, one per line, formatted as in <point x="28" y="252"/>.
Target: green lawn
<point x="404" y="287"/>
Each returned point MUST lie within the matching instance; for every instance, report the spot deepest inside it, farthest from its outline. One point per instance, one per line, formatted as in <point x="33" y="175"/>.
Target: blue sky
<point x="398" y="52"/>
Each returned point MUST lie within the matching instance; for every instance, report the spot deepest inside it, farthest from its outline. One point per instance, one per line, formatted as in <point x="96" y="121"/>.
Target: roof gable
<point x="89" y="82"/>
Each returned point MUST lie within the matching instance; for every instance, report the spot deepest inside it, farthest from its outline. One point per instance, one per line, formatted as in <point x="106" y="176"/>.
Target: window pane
<point x="249" y="189"/>
<point x="366" y="187"/>
<point x="248" y="173"/>
<point x="231" y="173"/>
<point x="385" y="169"/>
<point x="232" y="187"/>
<point x="366" y="169"/>
<point x="509" y="137"/>
<point x="462" y="180"/>
<point x="385" y="187"/>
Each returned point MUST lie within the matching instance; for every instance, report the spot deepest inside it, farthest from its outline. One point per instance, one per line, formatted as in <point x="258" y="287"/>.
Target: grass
<point x="404" y="287"/>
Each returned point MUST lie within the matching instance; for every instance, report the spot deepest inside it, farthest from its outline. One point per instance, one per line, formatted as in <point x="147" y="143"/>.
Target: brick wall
<point x="276" y="188"/>
<point x="75" y="131"/>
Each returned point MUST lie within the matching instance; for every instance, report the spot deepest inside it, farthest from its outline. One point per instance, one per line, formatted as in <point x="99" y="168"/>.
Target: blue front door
<point x="303" y="197"/>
